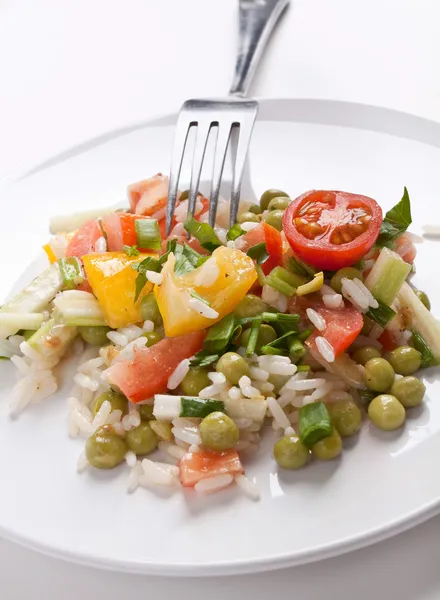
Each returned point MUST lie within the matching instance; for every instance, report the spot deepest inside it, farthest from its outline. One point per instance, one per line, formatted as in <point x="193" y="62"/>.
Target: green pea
<point x="152" y="338"/>
<point x="405" y="360"/>
<point x="329" y="447"/>
<point x="409" y="391"/>
<point x="386" y="412"/>
<point x="290" y="452"/>
<point x="96" y="336"/>
<point x="346" y="417"/>
<point x="275" y="218"/>
<point x="141" y="439"/>
<point x="218" y="432"/>
<point x="266" y="335"/>
<point x="280" y="203"/>
<point x="150" y="310"/>
<point x="424" y="299"/>
<point x="250" y="306"/>
<point x="248" y="217"/>
<point x="146" y="411"/>
<point x="348" y="272"/>
<point x="255" y="209"/>
<point x="363" y="355"/>
<point x="162" y="429"/>
<point x="194" y="381"/>
<point x="269" y="195"/>
<point x="117" y="402"/>
<point x="105" y="449"/>
<point x="233" y="366"/>
<point x="378" y="375"/>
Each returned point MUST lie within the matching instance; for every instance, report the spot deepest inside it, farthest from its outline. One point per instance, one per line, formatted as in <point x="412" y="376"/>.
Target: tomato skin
<point x="388" y="341"/>
<point x="405" y="248"/>
<point x="274" y="244"/>
<point x="320" y="251"/>
<point x="83" y="242"/>
<point x="148" y="373"/>
<point x="196" y="466"/>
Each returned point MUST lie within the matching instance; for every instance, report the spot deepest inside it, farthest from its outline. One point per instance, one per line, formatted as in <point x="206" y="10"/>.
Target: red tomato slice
<point x="342" y="327"/>
<point x="196" y="466"/>
<point x="149" y="195"/>
<point x="253" y="237"/>
<point x="148" y="373"/>
<point x="83" y="242"/>
<point x="388" y="341"/>
<point x="330" y="229"/>
<point x="274" y="244"/>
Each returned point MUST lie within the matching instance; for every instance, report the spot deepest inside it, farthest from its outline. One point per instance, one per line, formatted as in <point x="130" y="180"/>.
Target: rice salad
<point x="299" y="319"/>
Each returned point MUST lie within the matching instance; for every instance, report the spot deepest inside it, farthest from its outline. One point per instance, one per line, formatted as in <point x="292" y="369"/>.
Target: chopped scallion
<point x="314" y="423"/>
<point x="253" y="337"/>
<point x="296" y="266"/>
<point x="428" y="359"/>
<point x="258" y="253"/>
<point x="303" y="368"/>
<point x="284" y="281"/>
<point x="148" y="234"/>
<point x="382" y="314"/>
<point x="203" y="359"/>
<point x="71" y="272"/>
<point x="296" y="350"/>
<point x="130" y="250"/>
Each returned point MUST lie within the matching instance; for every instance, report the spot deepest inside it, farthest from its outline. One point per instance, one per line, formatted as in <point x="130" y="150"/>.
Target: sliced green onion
<point x="130" y="250"/>
<point x="296" y="350"/>
<point x="260" y="274"/>
<point x="314" y="423"/>
<point x="303" y="368"/>
<point x="284" y="281"/>
<point x="148" y="264"/>
<point x="311" y="286"/>
<point x="203" y="359"/>
<point x="235" y="232"/>
<point x="220" y="334"/>
<point x="278" y="346"/>
<point x="272" y="317"/>
<point x="253" y="337"/>
<point x="428" y="359"/>
<point x="300" y="268"/>
<point x="258" y="253"/>
<point x="148" y="234"/>
<point x="198" y="408"/>
<point x="304" y="335"/>
<point x="204" y="233"/>
<point x="382" y="314"/>
<point x="71" y="272"/>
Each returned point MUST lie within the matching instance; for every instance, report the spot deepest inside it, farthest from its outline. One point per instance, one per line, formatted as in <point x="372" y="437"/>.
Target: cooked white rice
<point x="213" y="484"/>
<point x="208" y="273"/>
<point x="202" y="309"/>
<point x="325" y="349"/>
<point x="316" y="319"/>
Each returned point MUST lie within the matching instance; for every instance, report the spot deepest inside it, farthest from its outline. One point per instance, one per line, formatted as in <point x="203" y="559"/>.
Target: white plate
<point x="384" y="482"/>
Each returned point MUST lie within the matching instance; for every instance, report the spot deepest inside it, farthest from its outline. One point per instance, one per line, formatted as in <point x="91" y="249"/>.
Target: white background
<point x="73" y="69"/>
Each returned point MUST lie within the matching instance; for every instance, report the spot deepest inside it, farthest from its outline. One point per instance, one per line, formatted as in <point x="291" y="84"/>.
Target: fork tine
<point x="244" y="137"/>
<point x="221" y="148"/>
<point x="180" y="138"/>
<point x="202" y="135"/>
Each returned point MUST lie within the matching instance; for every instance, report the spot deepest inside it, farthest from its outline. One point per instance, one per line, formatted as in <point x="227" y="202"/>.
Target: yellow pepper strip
<point x="50" y="254"/>
<point x="113" y="281"/>
<point x="222" y="281"/>
<point x="311" y="286"/>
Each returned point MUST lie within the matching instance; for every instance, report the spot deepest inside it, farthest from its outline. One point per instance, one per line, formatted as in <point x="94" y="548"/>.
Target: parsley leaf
<point x="131" y="250"/>
<point x="396" y="221"/>
<point x="259" y="253"/>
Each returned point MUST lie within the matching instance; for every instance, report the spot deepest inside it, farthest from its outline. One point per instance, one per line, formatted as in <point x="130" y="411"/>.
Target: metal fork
<point x="257" y="19"/>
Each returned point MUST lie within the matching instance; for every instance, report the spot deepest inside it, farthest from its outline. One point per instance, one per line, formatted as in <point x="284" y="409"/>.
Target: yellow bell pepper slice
<point x="311" y="286"/>
<point x="235" y="276"/>
<point x="113" y="281"/>
<point x="50" y="254"/>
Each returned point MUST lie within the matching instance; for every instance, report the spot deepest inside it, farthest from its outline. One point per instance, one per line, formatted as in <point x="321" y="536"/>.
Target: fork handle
<point x="257" y="19"/>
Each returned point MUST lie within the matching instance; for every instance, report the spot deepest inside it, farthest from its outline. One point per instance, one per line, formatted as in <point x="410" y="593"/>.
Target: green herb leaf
<point x="297" y="350"/>
<point x="203" y="359"/>
<point x="71" y="272"/>
<point x="258" y="253"/>
<point x="148" y="234"/>
<point x="235" y="232"/>
<point x="428" y="359"/>
<point x="141" y="281"/>
<point x="279" y="345"/>
<point x="204" y="233"/>
<point x="220" y="335"/>
<point x="130" y="250"/>
<point x="396" y="221"/>
<point x="198" y="408"/>
<point x="187" y="259"/>
<point x="304" y="335"/>
<point x="382" y="315"/>
<point x="314" y="423"/>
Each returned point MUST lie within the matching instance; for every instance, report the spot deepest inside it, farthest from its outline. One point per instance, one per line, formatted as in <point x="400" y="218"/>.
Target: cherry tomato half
<point x="331" y="230"/>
